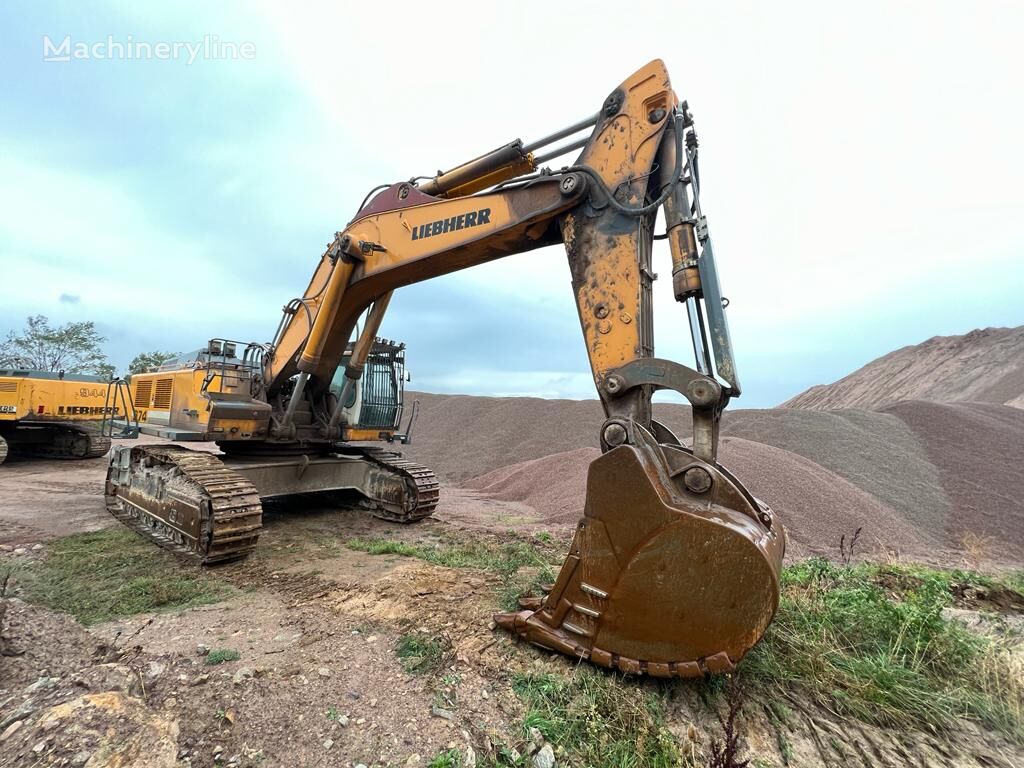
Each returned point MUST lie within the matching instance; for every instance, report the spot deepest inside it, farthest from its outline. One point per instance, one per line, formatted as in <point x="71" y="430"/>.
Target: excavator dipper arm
<point x="674" y="568"/>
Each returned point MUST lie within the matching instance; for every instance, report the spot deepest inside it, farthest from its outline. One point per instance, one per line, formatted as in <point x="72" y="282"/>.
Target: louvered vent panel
<point x="143" y="393"/>
<point x="162" y="396"/>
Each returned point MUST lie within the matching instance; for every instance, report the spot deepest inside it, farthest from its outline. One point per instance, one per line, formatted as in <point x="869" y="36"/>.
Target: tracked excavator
<point x="53" y="415"/>
<point x="673" y="570"/>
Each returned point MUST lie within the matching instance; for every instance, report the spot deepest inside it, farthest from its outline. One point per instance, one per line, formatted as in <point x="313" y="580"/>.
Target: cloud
<point x="183" y="202"/>
<point x="69" y="298"/>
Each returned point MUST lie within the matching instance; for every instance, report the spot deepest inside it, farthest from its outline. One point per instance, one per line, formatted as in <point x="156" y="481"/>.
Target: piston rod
<point x="569" y="131"/>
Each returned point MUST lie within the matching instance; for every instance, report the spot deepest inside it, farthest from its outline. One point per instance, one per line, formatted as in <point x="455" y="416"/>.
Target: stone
<point x="20" y="551"/>
<point x="154" y="669"/>
<point x="37" y="547"/>
<point x="41" y="683"/>
<point x="243" y="674"/>
<point x="328" y="743"/>
<point x="11" y="730"/>
<point x="199" y="680"/>
<point x="324" y="672"/>
<point x="545" y="758"/>
<point x="413" y="760"/>
<point x="81" y="758"/>
<point x="441" y="712"/>
<point x="470" y="760"/>
<point x="39" y="747"/>
<point x="202" y="650"/>
<point x="343" y="721"/>
<point x="536" y="737"/>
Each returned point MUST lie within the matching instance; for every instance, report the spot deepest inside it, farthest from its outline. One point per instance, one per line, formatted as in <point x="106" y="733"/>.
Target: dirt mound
<point x="977" y="449"/>
<point x="555" y="486"/>
<point x="816" y="505"/>
<point x="984" y="365"/>
<point x="465" y="436"/>
<point x="876" y="452"/>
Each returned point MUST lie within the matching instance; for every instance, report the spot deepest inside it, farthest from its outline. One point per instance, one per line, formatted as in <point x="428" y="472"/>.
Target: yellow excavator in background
<point x="55" y="415"/>
<point x="674" y="568"/>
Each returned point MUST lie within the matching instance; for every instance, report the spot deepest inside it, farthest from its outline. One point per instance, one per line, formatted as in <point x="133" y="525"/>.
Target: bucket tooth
<point x="660" y="580"/>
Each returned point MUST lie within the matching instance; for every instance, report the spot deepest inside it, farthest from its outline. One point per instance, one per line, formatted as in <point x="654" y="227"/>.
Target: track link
<point x="3" y="450"/>
<point x="167" y="481"/>
<point x="424" y="488"/>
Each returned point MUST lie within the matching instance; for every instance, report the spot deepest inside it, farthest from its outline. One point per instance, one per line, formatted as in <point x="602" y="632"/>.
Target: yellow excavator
<point x="674" y="568"/>
<point x="53" y="415"/>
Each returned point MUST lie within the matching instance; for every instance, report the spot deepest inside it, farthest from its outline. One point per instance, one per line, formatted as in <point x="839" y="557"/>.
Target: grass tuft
<point x="421" y="654"/>
<point x="874" y="642"/>
<point x="221" y="655"/>
<point x="598" y="718"/>
<point x="108" y="574"/>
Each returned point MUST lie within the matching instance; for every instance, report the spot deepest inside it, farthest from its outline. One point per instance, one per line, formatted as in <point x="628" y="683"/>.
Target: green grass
<point x="522" y="566"/>
<point x="450" y="758"/>
<point x="871" y="642"/>
<point x="112" y="573"/>
<point x="421" y="654"/>
<point x="600" y="719"/>
<point x="220" y="655"/>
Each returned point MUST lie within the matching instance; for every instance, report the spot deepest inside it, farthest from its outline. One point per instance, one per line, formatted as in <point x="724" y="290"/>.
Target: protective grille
<point x="162" y="397"/>
<point x="8" y="386"/>
<point x="143" y="393"/>
<point x="383" y="386"/>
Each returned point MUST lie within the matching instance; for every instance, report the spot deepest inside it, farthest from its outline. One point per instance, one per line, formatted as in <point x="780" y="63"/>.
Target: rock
<point x="243" y="674"/>
<point x="20" y="551"/>
<point x="371" y="639"/>
<point x="154" y="669"/>
<point x="441" y="712"/>
<point x="41" y="683"/>
<point x="413" y="760"/>
<point x="352" y="695"/>
<point x="114" y="677"/>
<point x="11" y="730"/>
<point x="199" y="680"/>
<point x="171" y="702"/>
<point x="360" y="721"/>
<point x="24" y="710"/>
<point x="328" y="743"/>
<point x="545" y="758"/>
<point x="324" y="672"/>
<point x="360" y="765"/>
<point x="202" y="650"/>
<point x="513" y="753"/>
<point x="39" y="747"/>
<point x="235" y="759"/>
<point x="470" y="761"/>
<point x="37" y="547"/>
<point x="81" y="758"/>
<point x="536" y="737"/>
<point x="483" y="692"/>
<point x="343" y="721"/>
<point x="217" y="751"/>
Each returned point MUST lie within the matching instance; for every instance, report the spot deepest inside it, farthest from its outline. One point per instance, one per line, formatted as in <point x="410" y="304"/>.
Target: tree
<point x="72" y="348"/>
<point x="143" y="361"/>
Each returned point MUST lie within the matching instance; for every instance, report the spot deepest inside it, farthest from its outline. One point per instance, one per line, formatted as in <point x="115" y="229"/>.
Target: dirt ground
<point x="318" y="681"/>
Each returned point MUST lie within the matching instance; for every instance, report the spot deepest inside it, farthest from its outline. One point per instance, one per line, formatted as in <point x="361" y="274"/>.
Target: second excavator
<point x="674" y="568"/>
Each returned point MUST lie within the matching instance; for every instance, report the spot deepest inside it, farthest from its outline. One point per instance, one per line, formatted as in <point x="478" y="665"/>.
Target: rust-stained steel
<point x="660" y="579"/>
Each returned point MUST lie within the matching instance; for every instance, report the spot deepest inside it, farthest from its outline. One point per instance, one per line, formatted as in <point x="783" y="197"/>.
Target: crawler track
<point x="424" y="491"/>
<point x="187" y="502"/>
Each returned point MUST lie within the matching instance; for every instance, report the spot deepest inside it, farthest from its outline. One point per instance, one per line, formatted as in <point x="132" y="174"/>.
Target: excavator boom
<point x="674" y="567"/>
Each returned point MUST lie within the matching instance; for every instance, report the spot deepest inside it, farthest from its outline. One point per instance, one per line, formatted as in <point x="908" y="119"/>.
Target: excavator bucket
<point x="673" y="570"/>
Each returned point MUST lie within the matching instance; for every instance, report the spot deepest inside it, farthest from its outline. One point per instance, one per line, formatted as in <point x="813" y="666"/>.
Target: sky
<point x="861" y="169"/>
